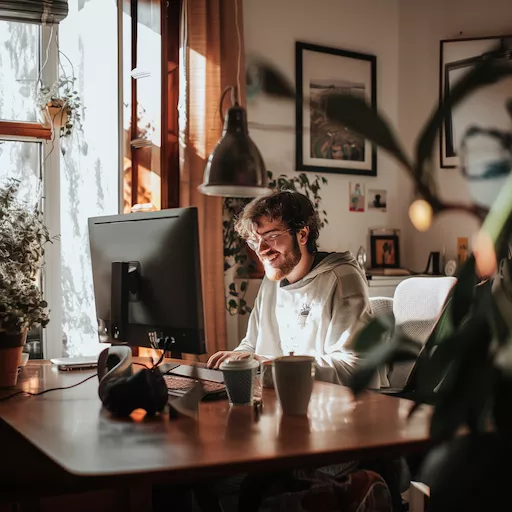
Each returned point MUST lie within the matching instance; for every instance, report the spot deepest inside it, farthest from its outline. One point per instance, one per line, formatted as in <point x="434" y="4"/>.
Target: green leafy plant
<point x="23" y="236"/>
<point x="465" y="368"/>
<point x="61" y="102"/>
<point x="236" y="252"/>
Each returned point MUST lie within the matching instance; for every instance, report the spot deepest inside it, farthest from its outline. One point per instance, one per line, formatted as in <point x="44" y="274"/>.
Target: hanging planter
<point x="60" y="103"/>
<point x="54" y="114"/>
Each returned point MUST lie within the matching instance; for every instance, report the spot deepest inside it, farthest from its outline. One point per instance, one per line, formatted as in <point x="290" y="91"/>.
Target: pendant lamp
<point x="235" y="167"/>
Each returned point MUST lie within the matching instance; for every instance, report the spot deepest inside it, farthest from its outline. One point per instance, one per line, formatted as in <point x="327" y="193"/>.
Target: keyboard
<point x="178" y="386"/>
<point x="186" y="370"/>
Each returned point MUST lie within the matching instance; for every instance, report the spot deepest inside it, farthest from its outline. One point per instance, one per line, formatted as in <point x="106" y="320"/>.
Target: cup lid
<point x="238" y="363"/>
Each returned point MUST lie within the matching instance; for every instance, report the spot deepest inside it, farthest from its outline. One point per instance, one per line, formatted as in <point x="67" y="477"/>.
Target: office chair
<point x="417" y="305"/>
<point x="381" y="305"/>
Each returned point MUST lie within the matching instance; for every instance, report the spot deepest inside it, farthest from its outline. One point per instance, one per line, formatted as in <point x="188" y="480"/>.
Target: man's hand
<point x="216" y="360"/>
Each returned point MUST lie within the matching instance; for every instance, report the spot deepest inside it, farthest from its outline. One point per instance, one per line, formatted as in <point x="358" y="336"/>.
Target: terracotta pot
<point x="11" y="347"/>
<point x="55" y="116"/>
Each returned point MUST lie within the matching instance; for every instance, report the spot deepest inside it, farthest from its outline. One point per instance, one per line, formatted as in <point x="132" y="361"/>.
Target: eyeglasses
<point x="269" y="240"/>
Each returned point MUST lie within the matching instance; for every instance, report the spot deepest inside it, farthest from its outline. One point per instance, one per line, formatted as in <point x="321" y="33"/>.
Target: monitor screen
<point x="147" y="279"/>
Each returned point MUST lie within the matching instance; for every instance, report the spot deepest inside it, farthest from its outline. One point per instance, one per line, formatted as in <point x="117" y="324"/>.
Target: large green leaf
<point x="371" y="334"/>
<point x="468" y="474"/>
<point x="485" y="72"/>
<point x="354" y="113"/>
<point x="398" y="348"/>
<point x="460" y="396"/>
<point x="263" y="77"/>
<point x="464" y="291"/>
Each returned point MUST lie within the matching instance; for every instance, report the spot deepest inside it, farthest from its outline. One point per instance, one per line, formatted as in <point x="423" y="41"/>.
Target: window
<point x="150" y="99"/>
<point x="80" y="176"/>
<point x="89" y="177"/>
<point x="80" y="173"/>
<point x="22" y="136"/>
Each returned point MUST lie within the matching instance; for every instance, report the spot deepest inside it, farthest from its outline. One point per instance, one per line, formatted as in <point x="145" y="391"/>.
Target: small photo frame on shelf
<point x="385" y="248"/>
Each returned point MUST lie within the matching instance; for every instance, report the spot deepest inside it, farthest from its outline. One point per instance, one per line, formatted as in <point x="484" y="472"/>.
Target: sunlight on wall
<point x="197" y="63"/>
<point x="89" y="163"/>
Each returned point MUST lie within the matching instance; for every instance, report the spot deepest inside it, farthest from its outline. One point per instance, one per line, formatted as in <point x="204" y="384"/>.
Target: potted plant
<point x="23" y="236"/>
<point x="465" y="368"/>
<point x="238" y="254"/>
<point x="60" y="103"/>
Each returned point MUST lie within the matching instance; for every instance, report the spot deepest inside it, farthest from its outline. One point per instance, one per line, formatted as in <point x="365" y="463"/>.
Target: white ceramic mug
<point x="294" y="377"/>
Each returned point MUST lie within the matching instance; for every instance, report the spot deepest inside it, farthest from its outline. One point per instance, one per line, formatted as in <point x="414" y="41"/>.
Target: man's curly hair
<point x="292" y="208"/>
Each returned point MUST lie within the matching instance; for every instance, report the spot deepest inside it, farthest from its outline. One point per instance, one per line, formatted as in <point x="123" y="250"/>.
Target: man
<point x="310" y="303"/>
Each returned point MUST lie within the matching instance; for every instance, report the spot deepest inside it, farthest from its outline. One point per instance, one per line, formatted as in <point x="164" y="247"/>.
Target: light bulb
<point x="485" y="254"/>
<point x="421" y="213"/>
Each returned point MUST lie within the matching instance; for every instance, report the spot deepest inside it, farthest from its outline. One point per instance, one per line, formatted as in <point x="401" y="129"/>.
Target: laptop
<point x="76" y="363"/>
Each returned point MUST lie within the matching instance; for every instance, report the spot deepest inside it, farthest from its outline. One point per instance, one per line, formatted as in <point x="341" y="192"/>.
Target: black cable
<point x="2" y="399"/>
<point x="167" y="345"/>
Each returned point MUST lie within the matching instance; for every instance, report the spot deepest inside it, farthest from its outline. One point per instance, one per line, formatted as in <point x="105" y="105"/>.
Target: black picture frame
<point x="316" y="149"/>
<point x="457" y="56"/>
<point x="377" y="244"/>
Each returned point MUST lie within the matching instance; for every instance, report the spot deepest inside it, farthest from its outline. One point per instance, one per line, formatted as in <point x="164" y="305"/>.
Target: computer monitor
<point x="147" y="279"/>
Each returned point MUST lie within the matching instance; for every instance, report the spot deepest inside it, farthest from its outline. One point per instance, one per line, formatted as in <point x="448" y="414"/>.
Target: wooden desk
<point x="68" y="436"/>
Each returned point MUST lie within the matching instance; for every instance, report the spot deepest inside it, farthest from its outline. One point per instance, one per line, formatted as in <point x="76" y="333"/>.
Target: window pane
<point x="146" y="77"/>
<point x="21" y="160"/>
<point x="19" y="68"/>
<point x="89" y="176"/>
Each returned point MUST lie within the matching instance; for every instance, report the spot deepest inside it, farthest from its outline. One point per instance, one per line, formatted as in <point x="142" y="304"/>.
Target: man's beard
<point x="289" y="262"/>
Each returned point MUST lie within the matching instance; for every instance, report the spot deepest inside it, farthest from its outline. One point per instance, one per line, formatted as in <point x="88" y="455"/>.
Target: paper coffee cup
<point x="239" y="375"/>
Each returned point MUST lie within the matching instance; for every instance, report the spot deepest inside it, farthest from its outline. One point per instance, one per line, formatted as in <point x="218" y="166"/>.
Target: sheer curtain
<point x="211" y="59"/>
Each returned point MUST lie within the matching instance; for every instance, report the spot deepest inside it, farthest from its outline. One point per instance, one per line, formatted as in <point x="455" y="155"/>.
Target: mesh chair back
<point x="417" y="306"/>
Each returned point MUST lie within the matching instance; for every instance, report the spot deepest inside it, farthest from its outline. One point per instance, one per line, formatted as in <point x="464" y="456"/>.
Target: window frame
<point x="51" y="336"/>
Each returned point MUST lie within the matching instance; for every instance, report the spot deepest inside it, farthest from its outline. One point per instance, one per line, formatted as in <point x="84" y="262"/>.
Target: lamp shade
<point x="235" y="167"/>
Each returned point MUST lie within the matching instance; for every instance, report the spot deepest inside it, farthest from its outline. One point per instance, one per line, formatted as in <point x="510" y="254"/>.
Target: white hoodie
<point x="317" y="316"/>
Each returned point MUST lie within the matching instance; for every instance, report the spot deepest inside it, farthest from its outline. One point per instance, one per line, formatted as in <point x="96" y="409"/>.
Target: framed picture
<point x="356" y="196"/>
<point x="377" y="200"/>
<point x="322" y="146"/>
<point x="486" y="106"/>
<point x="385" y="249"/>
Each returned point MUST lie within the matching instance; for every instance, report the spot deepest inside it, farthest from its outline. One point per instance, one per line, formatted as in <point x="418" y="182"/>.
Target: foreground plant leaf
<point x="486" y="72"/>
<point x="397" y="348"/>
<point x="354" y="113"/>
<point x="464" y="291"/>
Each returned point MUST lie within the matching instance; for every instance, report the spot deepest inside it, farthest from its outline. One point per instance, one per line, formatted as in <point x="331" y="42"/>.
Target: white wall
<point x="422" y="25"/>
<point x="271" y="28"/>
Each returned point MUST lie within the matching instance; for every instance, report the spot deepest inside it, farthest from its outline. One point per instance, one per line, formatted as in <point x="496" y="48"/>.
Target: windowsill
<point x="24" y="129"/>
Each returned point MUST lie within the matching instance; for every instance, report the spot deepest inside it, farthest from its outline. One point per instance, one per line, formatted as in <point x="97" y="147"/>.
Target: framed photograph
<point x="322" y="146"/>
<point x="385" y="250"/>
<point x="486" y="106"/>
<point x="356" y="196"/>
<point x="377" y="200"/>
